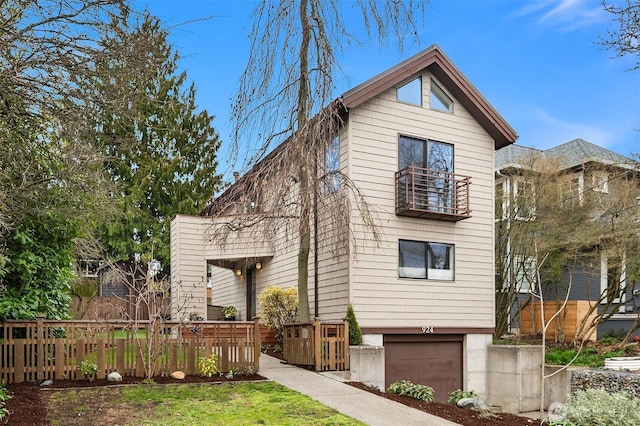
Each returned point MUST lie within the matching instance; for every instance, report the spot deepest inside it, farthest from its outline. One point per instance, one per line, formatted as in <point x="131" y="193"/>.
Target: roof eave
<point x="454" y="81"/>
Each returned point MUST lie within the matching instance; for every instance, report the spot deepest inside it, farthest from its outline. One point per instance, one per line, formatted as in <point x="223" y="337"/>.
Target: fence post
<point x="257" y="346"/>
<point x="317" y="343"/>
<point x="345" y="343"/>
<point x="40" y="335"/>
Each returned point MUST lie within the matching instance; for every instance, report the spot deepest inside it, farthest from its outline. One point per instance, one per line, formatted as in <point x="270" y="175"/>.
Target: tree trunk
<point x="304" y="145"/>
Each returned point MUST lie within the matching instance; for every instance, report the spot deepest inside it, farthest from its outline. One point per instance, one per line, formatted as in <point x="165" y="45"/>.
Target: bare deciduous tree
<point x="286" y="93"/>
<point x="625" y="39"/>
<point x="548" y="215"/>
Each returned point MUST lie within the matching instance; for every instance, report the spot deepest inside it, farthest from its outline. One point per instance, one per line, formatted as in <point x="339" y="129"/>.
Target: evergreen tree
<point x="160" y="151"/>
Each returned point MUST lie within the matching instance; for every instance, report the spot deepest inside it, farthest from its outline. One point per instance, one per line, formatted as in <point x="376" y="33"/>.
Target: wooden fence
<point x="564" y="327"/>
<point x="43" y="349"/>
<point x="117" y="308"/>
<point x="325" y="346"/>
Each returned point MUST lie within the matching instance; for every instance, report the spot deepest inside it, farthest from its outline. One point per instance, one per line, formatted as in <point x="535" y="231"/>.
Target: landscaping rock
<point x="475" y="403"/>
<point x="178" y="375"/>
<point x="557" y="412"/>
<point x="114" y="377"/>
<point x="46" y="383"/>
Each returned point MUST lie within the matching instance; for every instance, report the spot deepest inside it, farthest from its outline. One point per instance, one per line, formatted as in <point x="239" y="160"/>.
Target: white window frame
<point x="516" y="185"/>
<point x="604" y="280"/>
<point x="600" y="181"/>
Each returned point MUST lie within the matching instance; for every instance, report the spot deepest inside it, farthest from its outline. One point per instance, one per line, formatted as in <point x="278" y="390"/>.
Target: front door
<point x="251" y="294"/>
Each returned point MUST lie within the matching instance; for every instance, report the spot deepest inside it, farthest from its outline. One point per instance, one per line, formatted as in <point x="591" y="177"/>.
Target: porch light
<point x="239" y="272"/>
<point x="259" y="265"/>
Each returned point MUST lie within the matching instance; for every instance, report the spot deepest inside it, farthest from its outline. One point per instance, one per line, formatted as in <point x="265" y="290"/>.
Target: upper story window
<point x="439" y="99"/>
<point x="411" y="92"/>
<point x="501" y="200"/>
<point x="431" y="185"/>
<point x="600" y="182"/>
<point x="525" y="200"/>
<point x="426" y="260"/>
<point x="428" y="154"/>
<point x="332" y="166"/>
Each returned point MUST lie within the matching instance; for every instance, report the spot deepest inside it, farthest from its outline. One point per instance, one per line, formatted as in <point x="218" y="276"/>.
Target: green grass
<point x="257" y="403"/>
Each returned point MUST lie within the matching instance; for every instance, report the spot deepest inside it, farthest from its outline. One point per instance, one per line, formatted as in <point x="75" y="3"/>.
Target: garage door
<point x="434" y="360"/>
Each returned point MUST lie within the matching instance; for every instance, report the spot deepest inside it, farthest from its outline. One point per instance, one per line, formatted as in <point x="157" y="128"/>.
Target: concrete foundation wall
<point x="475" y="362"/>
<point x="514" y="377"/>
<point x="367" y="365"/>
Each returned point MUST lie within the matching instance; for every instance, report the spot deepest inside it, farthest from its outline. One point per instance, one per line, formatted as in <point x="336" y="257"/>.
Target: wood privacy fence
<point x="44" y="349"/>
<point x="117" y="308"/>
<point x="564" y="327"/>
<point x="323" y="345"/>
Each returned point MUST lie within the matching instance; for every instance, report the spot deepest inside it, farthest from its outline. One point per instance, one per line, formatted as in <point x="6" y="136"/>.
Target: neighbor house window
<point x="439" y="99"/>
<point x="525" y="273"/>
<point x="600" y="182"/>
<point x="332" y="166"/>
<point x="612" y="278"/>
<point x="426" y="260"/>
<point x="525" y="200"/>
<point x="411" y="92"/>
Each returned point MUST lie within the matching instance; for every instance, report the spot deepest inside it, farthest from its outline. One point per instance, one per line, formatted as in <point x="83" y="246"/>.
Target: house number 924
<point x="427" y="329"/>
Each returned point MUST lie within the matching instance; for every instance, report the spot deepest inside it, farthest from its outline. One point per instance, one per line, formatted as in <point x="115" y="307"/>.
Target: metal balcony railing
<point x="432" y="194"/>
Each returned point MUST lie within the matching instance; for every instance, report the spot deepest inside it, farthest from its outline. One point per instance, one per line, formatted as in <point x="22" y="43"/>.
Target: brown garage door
<point x="433" y="360"/>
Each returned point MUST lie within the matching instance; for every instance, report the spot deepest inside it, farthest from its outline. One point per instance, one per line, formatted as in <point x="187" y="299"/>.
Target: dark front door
<point x="251" y="294"/>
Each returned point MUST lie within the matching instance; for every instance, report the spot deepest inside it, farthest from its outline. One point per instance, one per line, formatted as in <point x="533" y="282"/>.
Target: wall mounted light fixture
<point x="258" y="265"/>
<point x="239" y="272"/>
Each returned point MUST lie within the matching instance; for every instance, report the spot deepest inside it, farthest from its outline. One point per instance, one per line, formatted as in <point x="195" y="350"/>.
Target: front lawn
<point x="265" y="403"/>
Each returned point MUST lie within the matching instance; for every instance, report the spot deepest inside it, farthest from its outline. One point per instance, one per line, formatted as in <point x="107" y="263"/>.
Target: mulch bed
<point x="462" y="416"/>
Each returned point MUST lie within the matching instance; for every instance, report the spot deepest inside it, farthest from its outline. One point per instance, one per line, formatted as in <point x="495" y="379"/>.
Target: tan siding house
<point x="418" y="141"/>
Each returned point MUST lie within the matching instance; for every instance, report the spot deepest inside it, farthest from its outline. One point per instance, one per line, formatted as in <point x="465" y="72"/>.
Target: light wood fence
<point x="323" y="345"/>
<point x="117" y="308"/>
<point x="565" y="325"/>
<point x="43" y="349"/>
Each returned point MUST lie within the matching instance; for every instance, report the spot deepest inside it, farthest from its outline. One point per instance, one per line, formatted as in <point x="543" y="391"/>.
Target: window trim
<point x="604" y="280"/>
<point x="427" y="273"/>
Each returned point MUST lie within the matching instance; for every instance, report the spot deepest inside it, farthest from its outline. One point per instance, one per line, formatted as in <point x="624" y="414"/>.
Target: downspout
<point x="316" y="304"/>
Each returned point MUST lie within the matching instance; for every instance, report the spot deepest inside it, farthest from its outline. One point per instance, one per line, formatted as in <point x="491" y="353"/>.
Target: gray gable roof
<point x="576" y="153"/>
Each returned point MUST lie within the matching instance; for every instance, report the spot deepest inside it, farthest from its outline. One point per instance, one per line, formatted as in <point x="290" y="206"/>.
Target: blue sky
<point x="537" y="62"/>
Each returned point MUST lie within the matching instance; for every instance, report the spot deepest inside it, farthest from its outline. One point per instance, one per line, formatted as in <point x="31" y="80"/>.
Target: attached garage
<point x="432" y="360"/>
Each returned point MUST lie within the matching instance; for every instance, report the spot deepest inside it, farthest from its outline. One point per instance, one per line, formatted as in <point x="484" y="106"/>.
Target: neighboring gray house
<point x="418" y="140"/>
<point x="606" y="280"/>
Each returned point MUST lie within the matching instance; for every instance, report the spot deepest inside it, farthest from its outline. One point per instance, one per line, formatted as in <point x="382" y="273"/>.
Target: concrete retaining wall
<point x="514" y="377"/>
<point x="366" y="364"/>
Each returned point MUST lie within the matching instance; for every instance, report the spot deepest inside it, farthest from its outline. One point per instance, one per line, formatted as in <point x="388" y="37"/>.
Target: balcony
<point x="432" y="194"/>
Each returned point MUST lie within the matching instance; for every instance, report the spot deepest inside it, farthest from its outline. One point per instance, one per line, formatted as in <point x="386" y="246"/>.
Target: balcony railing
<point x="432" y="194"/>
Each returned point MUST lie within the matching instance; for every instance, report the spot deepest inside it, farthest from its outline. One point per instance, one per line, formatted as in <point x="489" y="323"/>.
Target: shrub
<point x="355" y="334"/>
<point x="406" y="388"/>
<point x="278" y="306"/>
<point x="599" y="407"/>
<point x="458" y="394"/>
<point x="588" y="357"/>
<point x="88" y="369"/>
<point x="209" y="365"/>
<point x="4" y="397"/>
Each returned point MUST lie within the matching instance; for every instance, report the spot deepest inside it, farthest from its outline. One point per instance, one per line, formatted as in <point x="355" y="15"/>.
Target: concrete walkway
<point x="362" y="405"/>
